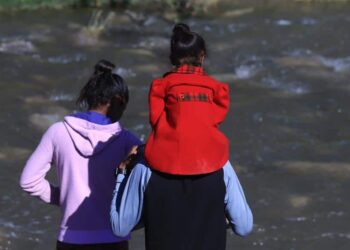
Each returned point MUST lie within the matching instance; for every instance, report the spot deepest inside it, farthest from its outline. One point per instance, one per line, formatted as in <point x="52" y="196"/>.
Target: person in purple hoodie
<point x="85" y="148"/>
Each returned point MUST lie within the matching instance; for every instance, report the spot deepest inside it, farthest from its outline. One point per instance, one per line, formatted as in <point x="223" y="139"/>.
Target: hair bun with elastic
<point x="181" y="28"/>
<point x="186" y="46"/>
<point x="182" y="34"/>
<point x="104" y="66"/>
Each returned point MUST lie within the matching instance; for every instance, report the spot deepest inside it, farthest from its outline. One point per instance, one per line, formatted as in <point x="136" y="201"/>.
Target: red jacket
<point x="186" y="106"/>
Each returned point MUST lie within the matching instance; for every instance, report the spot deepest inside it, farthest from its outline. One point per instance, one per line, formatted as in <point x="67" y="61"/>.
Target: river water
<point x="288" y="70"/>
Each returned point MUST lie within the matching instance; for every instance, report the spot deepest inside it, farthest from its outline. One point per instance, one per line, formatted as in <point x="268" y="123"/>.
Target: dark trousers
<point x="185" y="212"/>
<point x="123" y="245"/>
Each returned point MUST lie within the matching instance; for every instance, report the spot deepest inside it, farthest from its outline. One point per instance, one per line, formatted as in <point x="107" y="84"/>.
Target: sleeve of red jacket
<point x="222" y="102"/>
<point x="156" y="101"/>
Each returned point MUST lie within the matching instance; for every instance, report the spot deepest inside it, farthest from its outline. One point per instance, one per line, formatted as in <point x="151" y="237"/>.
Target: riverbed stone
<point x="37" y="99"/>
<point x="89" y="37"/>
<point x="140" y="52"/>
<point x="148" y="68"/>
<point x="299" y="201"/>
<point x="332" y="169"/>
<point x="300" y="62"/>
<point x="44" y="120"/>
<point x="238" y="12"/>
<point x="14" y="153"/>
<point x="225" y="77"/>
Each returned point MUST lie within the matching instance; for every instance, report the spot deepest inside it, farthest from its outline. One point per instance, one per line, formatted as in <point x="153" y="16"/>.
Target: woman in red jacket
<point x="186" y="107"/>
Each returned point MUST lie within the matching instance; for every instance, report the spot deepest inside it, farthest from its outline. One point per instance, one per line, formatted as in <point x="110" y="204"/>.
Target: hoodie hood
<point x="90" y="138"/>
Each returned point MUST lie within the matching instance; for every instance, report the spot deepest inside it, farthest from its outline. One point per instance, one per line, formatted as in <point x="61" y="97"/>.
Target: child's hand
<point x="127" y="163"/>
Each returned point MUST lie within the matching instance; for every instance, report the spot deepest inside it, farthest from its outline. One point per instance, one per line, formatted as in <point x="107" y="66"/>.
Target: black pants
<point x="123" y="245"/>
<point x="185" y="212"/>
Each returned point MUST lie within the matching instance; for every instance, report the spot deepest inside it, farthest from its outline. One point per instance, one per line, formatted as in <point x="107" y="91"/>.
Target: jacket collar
<point x="189" y="69"/>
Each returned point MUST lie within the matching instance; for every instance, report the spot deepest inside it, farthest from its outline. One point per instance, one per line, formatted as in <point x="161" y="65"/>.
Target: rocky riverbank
<point x="181" y="6"/>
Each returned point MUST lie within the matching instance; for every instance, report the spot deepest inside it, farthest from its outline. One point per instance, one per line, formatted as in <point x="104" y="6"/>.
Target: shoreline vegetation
<point x="182" y="7"/>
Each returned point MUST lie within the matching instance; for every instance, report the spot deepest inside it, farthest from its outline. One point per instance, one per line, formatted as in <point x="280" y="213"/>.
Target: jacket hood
<point x="90" y="138"/>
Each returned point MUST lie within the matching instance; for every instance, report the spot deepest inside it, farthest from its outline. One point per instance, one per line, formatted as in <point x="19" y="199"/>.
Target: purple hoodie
<point x="85" y="155"/>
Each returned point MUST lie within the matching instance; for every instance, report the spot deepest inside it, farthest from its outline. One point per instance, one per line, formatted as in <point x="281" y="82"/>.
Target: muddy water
<point x="288" y="70"/>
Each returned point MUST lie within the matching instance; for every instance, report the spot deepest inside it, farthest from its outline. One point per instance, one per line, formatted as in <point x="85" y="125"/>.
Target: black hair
<point x="103" y="87"/>
<point x="186" y="46"/>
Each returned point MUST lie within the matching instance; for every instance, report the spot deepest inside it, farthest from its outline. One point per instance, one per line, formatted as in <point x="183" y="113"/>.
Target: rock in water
<point x="43" y="121"/>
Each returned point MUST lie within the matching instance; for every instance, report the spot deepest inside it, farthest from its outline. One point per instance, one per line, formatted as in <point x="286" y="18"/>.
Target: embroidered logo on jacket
<point x="193" y="97"/>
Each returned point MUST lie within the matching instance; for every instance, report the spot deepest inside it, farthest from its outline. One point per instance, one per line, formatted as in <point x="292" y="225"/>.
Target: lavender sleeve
<point x="33" y="179"/>
<point x="236" y="207"/>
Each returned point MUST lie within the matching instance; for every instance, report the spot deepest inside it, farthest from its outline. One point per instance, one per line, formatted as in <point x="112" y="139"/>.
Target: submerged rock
<point x="316" y="61"/>
<point x="86" y="37"/>
<point x="148" y="68"/>
<point x="238" y="12"/>
<point x="14" y="153"/>
<point x="299" y="201"/>
<point x="332" y="169"/>
<point x="300" y="62"/>
<point x="37" y="99"/>
<point x="90" y="35"/>
<point x="225" y="77"/>
<point x="43" y="121"/>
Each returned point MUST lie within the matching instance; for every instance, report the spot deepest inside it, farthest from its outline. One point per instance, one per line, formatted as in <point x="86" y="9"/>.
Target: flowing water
<point x="288" y="70"/>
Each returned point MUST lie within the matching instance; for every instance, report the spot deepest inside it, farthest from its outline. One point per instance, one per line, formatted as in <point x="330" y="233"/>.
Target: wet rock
<point x="17" y="47"/>
<point x="37" y="99"/>
<point x="300" y="62"/>
<point x="225" y="77"/>
<point x="43" y="121"/>
<point x="141" y="52"/>
<point x="14" y="153"/>
<point x="41" y="78"/>
<point x="240" y="169"/>
<point x="316" y="61"/>
<point x="238" y="12"/>
<point x="148" y="68"/>
<point x="299" y="201"/>
<point x="337" y="64"/>
<point x="2" y="156"/>
<point x="151" y="22"/>
<point x="333" y="169"/>
<point x="90" y="35"/>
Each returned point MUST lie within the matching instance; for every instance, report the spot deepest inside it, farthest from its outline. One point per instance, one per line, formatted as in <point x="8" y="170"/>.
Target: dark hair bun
<point x="104" y="66"/>
<point x="104" y="87"/>
<point x="182" y="33"/>
<point x="186" y="46"/>
<point x="181" y="28"/>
